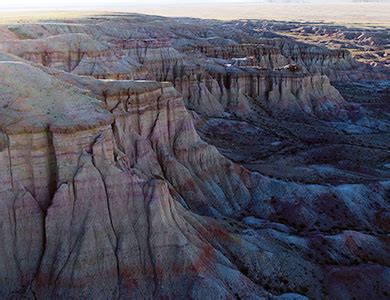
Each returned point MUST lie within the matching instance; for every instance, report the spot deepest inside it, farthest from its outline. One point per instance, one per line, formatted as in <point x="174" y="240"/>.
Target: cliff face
<point x="214" y="74"/>
<point x="77" y="53"/>
<point x="108" y="191"/>
<point x="260" y="55"/>
<point x="106" y="188"/>
<point x="315" y="59"/>
<point x="115" y="206"/>
<point x="246" y="91"/>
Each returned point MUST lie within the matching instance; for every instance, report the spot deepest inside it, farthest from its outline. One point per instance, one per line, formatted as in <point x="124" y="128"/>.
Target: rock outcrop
<point x="213" y="76"/>
<point x="107" y="190"/>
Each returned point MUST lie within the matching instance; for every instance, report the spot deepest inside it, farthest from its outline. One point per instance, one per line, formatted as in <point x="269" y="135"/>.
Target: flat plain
<point x="357" y="14"/>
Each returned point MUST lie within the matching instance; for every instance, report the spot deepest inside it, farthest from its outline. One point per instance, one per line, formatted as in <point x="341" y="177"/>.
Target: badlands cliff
<point x="144" y="157"/>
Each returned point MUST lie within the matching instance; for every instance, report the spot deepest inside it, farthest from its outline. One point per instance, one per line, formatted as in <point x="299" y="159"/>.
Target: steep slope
<point x="120" y="216"/>
<point x="91" y="171"/>
<point x="216" y="70"/>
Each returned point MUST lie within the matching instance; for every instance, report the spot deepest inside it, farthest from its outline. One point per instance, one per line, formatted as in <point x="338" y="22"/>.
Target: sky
<point x="18" y="4"/>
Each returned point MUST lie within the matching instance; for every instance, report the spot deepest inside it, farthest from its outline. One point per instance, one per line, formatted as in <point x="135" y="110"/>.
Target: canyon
<point x="152" y="157"/>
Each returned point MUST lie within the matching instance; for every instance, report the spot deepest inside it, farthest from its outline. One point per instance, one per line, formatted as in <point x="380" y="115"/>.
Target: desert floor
<point x="358" y="14"/>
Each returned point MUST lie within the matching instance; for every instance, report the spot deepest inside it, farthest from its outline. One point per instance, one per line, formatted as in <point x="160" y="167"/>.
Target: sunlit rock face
<point x="144" y="157"/>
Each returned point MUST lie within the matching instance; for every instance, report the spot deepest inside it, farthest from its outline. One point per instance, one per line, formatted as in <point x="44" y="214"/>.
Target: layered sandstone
<point x="214" y="77"/>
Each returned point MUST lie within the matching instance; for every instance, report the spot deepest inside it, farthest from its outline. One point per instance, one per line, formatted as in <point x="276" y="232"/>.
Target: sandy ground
<point x="368" y="14"/>
<point x="371" y="14"/>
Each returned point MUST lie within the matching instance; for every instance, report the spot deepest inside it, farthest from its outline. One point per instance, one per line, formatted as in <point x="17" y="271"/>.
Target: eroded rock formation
<point x="107" y="190"/>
